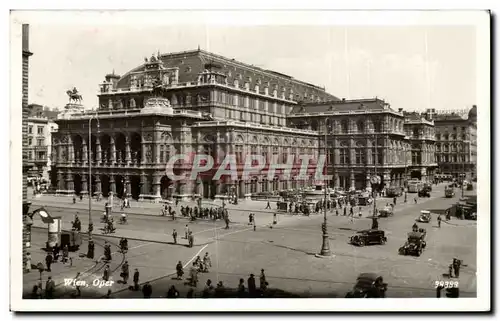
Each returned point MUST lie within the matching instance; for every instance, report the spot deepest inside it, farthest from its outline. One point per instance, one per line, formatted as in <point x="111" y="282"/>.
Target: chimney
<point x="400" y="110"/>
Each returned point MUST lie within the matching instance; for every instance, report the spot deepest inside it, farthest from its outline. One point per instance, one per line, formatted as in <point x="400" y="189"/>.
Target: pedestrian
<point x="136" y="280"/>
<point x="174" y="235"/>
<point x="250" y="219"/>
<point x="74" y="199"/>
<point x="263" y="282"/>
<point x="172" y="293"/>
<point x="28" y="262"/>
<point x="415" y="199"/>
<point x="394" y="200"/>
<point x="254" y="226"/>
<point x="193" y="275"/>
<point x="268" y="206"/>
<point x="351" y="211"/>
<point x="49" y="288"/>
<point x="345" y="211"/>
<point x="439" y="221"/>
<point x="219" y="290"/>
<point x="374" y="223"/>
<point x="456" y="267"/>
<point x="105" y="275"/>
<point x="207" y="289"/>
<point x="450" y="270"/>
<point x="438" y="291"/>
<point x="65" y="254"/>
<point x="125" y="272"/>
<point x="55" y="252"/>
<point x="180" y="271"/>
<point x="147" y="290"/>
<point x="351" y="219"/>
<point x="406" y="198"/>
<point x="48" y="261"/>
<point x="37" y="291"/>
<point x="251" y="285"/>
<point x="186" y="232"/>
<point x="241" y="289"/>
<point x="275" y="219"/>
<point x="191" y="239"/>
<point x="336" y="212"/>
<point x="226" y="220"/>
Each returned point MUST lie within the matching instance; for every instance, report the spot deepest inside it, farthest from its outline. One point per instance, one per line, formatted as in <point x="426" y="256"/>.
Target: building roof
<point x="373" y="104"/>
<point x="38" y="111"/>
<point x="192" y="63"/>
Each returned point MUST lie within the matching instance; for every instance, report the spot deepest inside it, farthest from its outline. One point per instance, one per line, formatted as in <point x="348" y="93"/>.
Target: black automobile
<point x="368" y="285"/>
<point x="424" y="193"/>
<point x="415" y="244"/>
<point x="368" y="237"/>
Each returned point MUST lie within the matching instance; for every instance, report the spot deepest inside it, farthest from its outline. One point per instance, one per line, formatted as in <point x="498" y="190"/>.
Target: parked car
<point x="368" y="285"/>
<point x="425" y="217"/>
<point x="367" y="237"/>
<point x="414" y="245"/>
<point x="386" y="212"/>
<point x="394" y="191"/>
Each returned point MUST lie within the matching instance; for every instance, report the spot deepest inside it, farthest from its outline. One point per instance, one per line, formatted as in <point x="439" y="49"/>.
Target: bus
<point x="414" y="186"/>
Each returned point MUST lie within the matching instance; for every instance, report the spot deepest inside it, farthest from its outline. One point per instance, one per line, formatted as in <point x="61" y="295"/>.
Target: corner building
<point x="363" y="138"/>
<point x="183" y="103"/>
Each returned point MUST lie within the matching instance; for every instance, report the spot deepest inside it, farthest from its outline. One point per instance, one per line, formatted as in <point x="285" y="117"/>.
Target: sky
<point x="411" y="67"/>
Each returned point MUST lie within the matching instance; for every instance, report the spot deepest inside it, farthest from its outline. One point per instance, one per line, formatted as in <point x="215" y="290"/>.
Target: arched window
<point x="377" y="125"/>
<point x="344" y="126"/>
<point x="361" y="126"/>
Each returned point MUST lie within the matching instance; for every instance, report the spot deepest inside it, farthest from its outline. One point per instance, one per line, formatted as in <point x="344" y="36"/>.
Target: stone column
<point x="98" y="186"/>
<point x="98" y="150"/>
<point x="69" y="182"/>
<point x="353" y="181"/>
<point x="71" y="152"/>
<point x="157" y="185"/>
<point x="143" y="152"/>
<point x="112" y="185"/>
<point x="113" y="150"/>
<point x="218" y="187"/>
<point x="200" y="187"/>
<point x="85" y="156"/>
<point x="60" y="181"/>
<point x="127" y="186"/>
<point x="336" y="182"/>
<point x="85" y="188"/>
<point x="128" y="158"/>
<point x="144" y="184"/>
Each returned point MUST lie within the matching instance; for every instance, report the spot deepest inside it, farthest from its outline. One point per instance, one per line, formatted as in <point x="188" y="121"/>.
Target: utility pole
<point x="325" y="246"/>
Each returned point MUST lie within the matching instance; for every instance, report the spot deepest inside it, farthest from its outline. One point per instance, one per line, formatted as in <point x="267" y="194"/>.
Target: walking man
<point x="186" y="231"/>
<point x="268" y="206"/>
<point x="251" y="285"/>
<point x="191" y="239"/>
<point x="125" y="272"/>
<point x="48" y="261"/>
<point x="174" y="235"/>
<point x="136" y="280"/>
<point x="105" y="275"/>
<point x="439" y="221"/>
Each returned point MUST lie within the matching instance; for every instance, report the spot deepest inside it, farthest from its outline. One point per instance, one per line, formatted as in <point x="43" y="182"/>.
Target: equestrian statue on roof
<point x="74" y="96"/>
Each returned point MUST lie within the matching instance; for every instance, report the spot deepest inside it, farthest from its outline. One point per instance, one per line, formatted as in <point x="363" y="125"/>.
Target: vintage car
<point x="386" y="212"/>
<point x="449" y="192"/>
<point x="425" y="217"/>
<point x="368" y="285"/>
<point x="367" y="237"/>
<point x="394" y="191"/>
<point x="424" y="193"/>
<point x="415" y="244"/>
<point x="364" y="200"/>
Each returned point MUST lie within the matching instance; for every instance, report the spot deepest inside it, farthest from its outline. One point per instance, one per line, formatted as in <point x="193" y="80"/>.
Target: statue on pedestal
<point x="74" y="96"/>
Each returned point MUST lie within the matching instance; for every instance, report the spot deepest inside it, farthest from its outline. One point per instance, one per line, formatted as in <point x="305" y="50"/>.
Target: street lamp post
<point x="375" y="174"/>
<point x="91" y="225"/>
<point x="325" y="246"/>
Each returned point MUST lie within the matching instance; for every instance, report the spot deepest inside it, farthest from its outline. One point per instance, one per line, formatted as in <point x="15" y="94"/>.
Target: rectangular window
<point x="39" y="130"/>
<point x="39" y="142"/>
<point x="30" y="129"/>
<point x="30" y="141"/>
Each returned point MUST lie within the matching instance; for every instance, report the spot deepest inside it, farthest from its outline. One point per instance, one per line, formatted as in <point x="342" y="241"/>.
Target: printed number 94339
<point x="446" y="284"/>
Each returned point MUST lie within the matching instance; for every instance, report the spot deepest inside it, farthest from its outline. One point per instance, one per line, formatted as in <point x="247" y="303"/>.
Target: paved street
<point x="286" y="251"/>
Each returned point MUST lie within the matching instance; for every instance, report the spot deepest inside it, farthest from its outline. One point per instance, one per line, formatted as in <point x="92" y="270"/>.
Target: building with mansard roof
<point x="187" y="102"/>
<point x="362" y="138"/>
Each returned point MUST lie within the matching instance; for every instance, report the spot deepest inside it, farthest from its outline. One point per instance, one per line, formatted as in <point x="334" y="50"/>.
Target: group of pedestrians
<point x="53" y="255"/>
